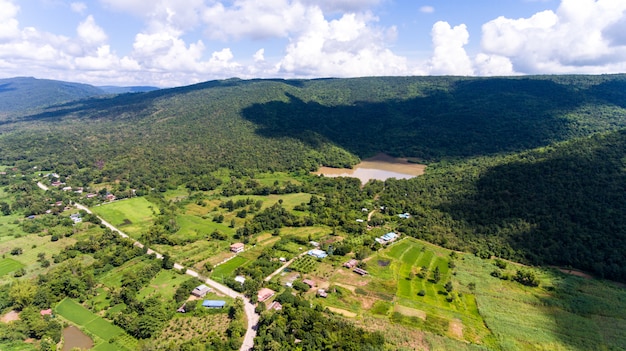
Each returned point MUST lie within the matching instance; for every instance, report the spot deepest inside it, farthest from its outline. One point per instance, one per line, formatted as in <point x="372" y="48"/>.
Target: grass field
<point x="132" y="216"/>
<point x="96" y="326"/>
<point x="164" y="284"/>
<point x="227" y="269"/>
<point x="8" y="265"/>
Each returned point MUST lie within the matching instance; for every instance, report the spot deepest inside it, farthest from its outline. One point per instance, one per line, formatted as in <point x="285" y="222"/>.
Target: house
<point x="57" y="183"/>
<point x="3" y="173"/>
<point x="111" y="197"/>
<point x="236" y="247"/>
<point x="201" y="290"/>
<point x="47" y="312"/>
<point x="360" y="271"/>
<point x="314" y="243"/>
<point x="240" y="279"/>
<point x="387" y="238"/>
<point x="282" y="259"/>
<point x="360" y="220"/>
<point x="89" y="196"/>
<point x="67" y="188"/>
<point x="213" y="303"/>
<point x="351" y="264"/>
<point x="317" y="253"/>
<point x="309" y="282"/>
<point x="79" y="191"/>
<point x="58" y="203"/>
<point x="275" y="306"/>
<point x="322" y="293"/>
<point x="265" y="294"/>
<point x="405" y="215"/>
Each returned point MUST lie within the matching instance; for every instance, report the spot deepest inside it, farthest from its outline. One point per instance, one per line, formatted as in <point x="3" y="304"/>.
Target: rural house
<point x="351" y="264"/>
<point x="236" y="247"/>
<point x="265" y="294"/>
<point x="317" y="253"/>
<point x="200" y="290"/>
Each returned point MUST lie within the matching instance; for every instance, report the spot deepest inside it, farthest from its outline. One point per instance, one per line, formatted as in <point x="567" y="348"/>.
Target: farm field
<point x="8" y="265"/>
<point x="97" y="327"/>
<point x="131" y="216"/>
<point x="564" y="313"/>
<point x="164" y="285"/>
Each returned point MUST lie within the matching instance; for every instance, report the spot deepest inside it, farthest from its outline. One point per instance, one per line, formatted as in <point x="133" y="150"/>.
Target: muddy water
<point x="379" y="167"/>
<point x="74" y="337"/>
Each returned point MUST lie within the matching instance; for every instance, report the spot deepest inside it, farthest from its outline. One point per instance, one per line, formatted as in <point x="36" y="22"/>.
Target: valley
<point x="229" y="182"/>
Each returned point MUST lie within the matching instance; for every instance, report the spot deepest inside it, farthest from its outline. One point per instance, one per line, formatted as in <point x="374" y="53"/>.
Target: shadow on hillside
<point x="6" y="87"/>
<point x="567" y="208"/>
<point x="612" y="91"/>
<point x="475" y="117"/>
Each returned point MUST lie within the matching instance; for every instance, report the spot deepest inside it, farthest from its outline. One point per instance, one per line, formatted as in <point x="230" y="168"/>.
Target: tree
<point x="22" y="293"/>
<point x="448" y="286"/>
<point x="436" y="275"/>
<point x="5" y="209"/>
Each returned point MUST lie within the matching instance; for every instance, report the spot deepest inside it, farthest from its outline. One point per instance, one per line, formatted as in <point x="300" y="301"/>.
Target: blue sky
<point x="173" y="42"/>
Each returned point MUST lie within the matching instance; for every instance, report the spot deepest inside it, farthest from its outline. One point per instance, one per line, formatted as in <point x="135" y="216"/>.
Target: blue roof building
<point x="214" y="303"/>
<point x="317" y="253"/>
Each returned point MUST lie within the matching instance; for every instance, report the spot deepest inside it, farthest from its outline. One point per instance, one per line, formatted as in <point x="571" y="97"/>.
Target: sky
<point x="169" y="43"/>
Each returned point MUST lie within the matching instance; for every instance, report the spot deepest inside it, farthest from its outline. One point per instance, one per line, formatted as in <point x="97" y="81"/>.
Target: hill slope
<point x="27" y="93"/>
<point x="529" y="168"/>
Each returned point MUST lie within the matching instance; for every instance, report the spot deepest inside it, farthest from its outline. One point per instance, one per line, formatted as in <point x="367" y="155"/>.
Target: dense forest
<point x="528" y="168"/>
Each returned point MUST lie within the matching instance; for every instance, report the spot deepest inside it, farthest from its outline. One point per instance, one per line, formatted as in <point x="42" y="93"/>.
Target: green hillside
<point x="528" y="168"/>
<point x="27" y="93"/>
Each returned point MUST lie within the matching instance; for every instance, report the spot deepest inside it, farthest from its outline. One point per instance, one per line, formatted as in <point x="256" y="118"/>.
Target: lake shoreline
<point x="380" y="167"/>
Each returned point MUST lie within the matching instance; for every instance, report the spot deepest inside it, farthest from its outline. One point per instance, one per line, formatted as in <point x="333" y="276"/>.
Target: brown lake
<point x="379" y="167"/>
<point x="74" y="337"/>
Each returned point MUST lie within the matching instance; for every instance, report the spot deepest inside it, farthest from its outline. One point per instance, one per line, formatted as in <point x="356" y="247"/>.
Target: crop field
<point x="227" y="269"/>
<point x="565" y="312"/>
<point x="8" y="265"/>
<point x="131" y="216"/>
<point x="305" y="264"/>
<point x="392" y="290"/>
<point x="95" y="325"/>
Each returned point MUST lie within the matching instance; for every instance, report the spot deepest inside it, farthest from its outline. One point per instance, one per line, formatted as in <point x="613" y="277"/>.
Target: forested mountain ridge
<point x="20" y="95"/>
<point x="27" y="93"/>
<point x="529" y="168"/>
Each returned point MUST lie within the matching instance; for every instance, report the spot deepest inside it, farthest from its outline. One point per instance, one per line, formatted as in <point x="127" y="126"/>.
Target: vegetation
<point x="523" y="170"/>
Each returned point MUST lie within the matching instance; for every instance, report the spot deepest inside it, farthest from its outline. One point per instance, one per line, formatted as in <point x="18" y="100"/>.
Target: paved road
<point x="251" y="315"/>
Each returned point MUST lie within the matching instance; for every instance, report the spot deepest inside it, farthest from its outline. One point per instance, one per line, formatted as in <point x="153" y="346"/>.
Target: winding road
<point x="251" y="315"/>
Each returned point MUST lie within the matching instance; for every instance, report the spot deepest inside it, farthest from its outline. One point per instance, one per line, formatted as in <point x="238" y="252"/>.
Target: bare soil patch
<point x="10" y="317"/>
<point x="456" y="328"/>
<point x="575" y="272"/>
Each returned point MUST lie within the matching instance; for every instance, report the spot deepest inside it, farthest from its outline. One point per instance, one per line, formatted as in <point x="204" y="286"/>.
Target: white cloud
<point x="259" y="55"/>
<point x="427" y="9"/>
<point x="78" y="7"/>
<point x="449" y="56"/>
<point x="581" y="36"/>
<point x="347" y="47"/>
<point x="90" y="33"/>
<point x="342" y="6"/>
<point x="9" y="26"/>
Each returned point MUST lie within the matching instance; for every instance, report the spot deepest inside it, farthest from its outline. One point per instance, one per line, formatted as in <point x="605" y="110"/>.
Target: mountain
<point x="519" y="167"/>
<point x="27" y="93"/>
<point x="111" y="89"/>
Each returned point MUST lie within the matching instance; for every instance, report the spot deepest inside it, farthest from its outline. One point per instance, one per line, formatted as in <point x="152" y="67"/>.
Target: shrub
<point x="421" y="293"/>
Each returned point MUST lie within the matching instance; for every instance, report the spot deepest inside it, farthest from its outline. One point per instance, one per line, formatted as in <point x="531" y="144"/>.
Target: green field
<point x="227" y="269"/>
<point x="8" y="265"/>
<point x="132" y="216"/>
<point x="96" y="326"/>
<point x="164" y="284"/>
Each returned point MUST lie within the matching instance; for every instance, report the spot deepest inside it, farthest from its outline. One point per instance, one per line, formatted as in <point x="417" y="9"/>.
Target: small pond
<point x="74" y="337"/>
<point x="379" y="167"/>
